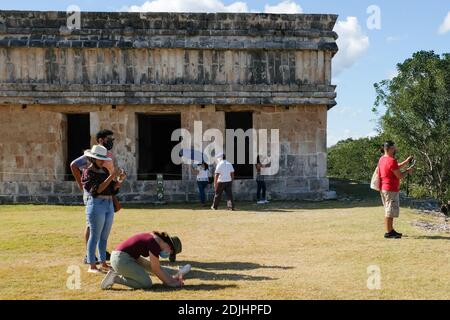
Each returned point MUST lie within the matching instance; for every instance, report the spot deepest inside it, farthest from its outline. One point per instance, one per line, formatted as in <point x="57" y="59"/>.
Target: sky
<point x="373" y="37"/>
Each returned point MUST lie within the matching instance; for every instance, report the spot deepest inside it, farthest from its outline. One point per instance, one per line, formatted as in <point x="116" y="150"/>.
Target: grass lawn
<point x="292" y="250"/>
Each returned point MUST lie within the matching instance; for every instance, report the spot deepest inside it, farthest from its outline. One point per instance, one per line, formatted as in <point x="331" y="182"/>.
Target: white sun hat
<point x="97" y="152"/>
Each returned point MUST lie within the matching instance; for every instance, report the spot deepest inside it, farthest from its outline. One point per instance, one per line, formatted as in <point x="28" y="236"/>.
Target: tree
<point x="417" y="116"/>
<point x="354" y="159"/>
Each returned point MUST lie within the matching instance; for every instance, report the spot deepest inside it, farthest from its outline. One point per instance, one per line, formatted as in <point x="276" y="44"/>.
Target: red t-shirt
<point x="140" y="245"/>
<point x="386" y="167"/>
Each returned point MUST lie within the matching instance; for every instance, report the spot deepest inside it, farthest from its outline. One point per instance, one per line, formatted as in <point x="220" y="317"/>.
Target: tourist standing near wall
<point x="101" y="186"/>
<point x="223" y="181"/>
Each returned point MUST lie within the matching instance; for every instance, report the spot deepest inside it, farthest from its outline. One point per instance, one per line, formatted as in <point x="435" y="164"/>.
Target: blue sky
<point x="366" y="56"/>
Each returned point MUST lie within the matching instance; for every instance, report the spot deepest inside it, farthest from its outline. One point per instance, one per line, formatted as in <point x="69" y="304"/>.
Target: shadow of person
<point x="229" y="265"/>
<point x="432" y="237"/>
<point x="192" y="287"/>
<point x="205" y="275"/>
<point x="159" y="287"/>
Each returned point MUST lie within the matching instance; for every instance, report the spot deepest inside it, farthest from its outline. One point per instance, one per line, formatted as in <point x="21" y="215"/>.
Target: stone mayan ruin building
<point x="144" y="75"/>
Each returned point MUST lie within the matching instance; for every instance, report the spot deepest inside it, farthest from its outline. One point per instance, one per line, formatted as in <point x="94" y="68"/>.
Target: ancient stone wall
<point x="132" y="58"/>
<point x="196" y="65"/>
<point x="33" y="157"/>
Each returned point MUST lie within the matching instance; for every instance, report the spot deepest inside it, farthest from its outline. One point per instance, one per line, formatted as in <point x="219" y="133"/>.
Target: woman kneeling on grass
<point x="100" y="187"/>
<point x="131" y="271"/>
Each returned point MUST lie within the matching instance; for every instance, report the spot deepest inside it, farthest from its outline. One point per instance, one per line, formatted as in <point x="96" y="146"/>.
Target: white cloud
<point x="352" y="42"/>
<point x="187" y="6"/>
<point x="286" y="6"/>
<point x="445" y="26"/>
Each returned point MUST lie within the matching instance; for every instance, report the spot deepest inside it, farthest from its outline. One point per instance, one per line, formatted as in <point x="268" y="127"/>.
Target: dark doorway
<point x="155" y="146"/>
<point x="78" y="138"/>
<point x="244" y="121"/>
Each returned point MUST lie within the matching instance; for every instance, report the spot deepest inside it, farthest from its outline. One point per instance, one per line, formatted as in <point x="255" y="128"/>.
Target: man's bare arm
<point x="400" y="174"/>
<point x="76" y="174"/>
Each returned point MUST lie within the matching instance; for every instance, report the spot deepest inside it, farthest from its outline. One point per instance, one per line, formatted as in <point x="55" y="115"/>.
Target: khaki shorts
<point x="391" y="203"/>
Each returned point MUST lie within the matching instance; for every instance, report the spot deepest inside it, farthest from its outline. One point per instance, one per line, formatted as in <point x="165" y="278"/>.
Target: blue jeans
<point x="201" y="189"/>
<point x="100" y="216"/>
<point x="260" y="186"/>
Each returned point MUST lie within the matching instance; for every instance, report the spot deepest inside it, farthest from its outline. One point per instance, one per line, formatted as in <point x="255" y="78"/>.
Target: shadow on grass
<point x="351" y="194"/>
<point x="205" y="275"/>
<point x="232" y="265"/>
<point x="159" y="287"/>
<point x="274" y="206"/>
<point x="432" y="237"/>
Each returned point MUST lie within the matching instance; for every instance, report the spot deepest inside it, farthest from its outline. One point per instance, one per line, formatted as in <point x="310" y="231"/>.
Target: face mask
<point x="164" y="254"/>
<point x="108" y="144"/>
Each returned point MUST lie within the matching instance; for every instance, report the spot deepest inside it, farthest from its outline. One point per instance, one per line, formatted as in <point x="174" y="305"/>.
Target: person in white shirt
<point x="202" y="172"/>
<point x="223" y="180"/>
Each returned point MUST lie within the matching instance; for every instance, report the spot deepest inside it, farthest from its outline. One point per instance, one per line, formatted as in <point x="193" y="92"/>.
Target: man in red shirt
<point x="390" y="176"/>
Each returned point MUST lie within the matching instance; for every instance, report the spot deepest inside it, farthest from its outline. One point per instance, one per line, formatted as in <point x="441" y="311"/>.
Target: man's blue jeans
<point x="201" y="190"/>
<point x="100" y="216"/>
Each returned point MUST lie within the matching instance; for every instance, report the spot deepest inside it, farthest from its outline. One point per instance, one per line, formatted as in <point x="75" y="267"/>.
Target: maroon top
<point x="139" y="245"/>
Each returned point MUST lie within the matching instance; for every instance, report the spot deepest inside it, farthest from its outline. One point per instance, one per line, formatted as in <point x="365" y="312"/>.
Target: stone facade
<point x="196" y="65"/>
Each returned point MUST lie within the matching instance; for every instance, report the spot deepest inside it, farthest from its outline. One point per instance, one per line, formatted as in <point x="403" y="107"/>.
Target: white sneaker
<point x="183" y="270"/>
<point x="260" y="202"/>
<point x="98" y="271"/>
<point x="108" y="280"/>
<point x="266" y="201"/>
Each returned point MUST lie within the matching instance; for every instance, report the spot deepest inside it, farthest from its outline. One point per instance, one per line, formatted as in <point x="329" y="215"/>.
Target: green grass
<point x="290" y="250"/>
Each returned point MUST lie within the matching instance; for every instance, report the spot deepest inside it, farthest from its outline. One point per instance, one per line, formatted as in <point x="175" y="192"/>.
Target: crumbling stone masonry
<point x="197" y="65"/>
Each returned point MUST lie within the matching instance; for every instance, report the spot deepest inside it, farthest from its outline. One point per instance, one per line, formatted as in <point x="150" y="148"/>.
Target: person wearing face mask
<point x="104" y="138"/>
<point x="390" y="176"/>
<point x="202" y="173"/>
<point x="130" y="271"/>
<point x="100" y="186"/>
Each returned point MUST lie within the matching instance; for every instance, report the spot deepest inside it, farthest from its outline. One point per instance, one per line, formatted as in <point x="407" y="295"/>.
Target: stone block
<point x="296" y="166"/>
<point x="22" y="199"/>
<point x="6" y="199"/>
<point x="63" y="187"/>
<point x="52" y="199"/>
<point x="125" y="188"/>
<point x="9" y="188"/>
<point x="177" y="197"/>
<point x="39" y="199"/>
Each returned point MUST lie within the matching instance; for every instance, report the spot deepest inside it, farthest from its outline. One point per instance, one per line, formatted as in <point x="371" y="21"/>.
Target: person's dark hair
<point x="258" y="161"/>
<point x="102" y="134"/>
<point x="445" y="208"/>
<point x="165" y="237"/>
<point x="386" y="145"/>
<point x="205" y="165"/>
